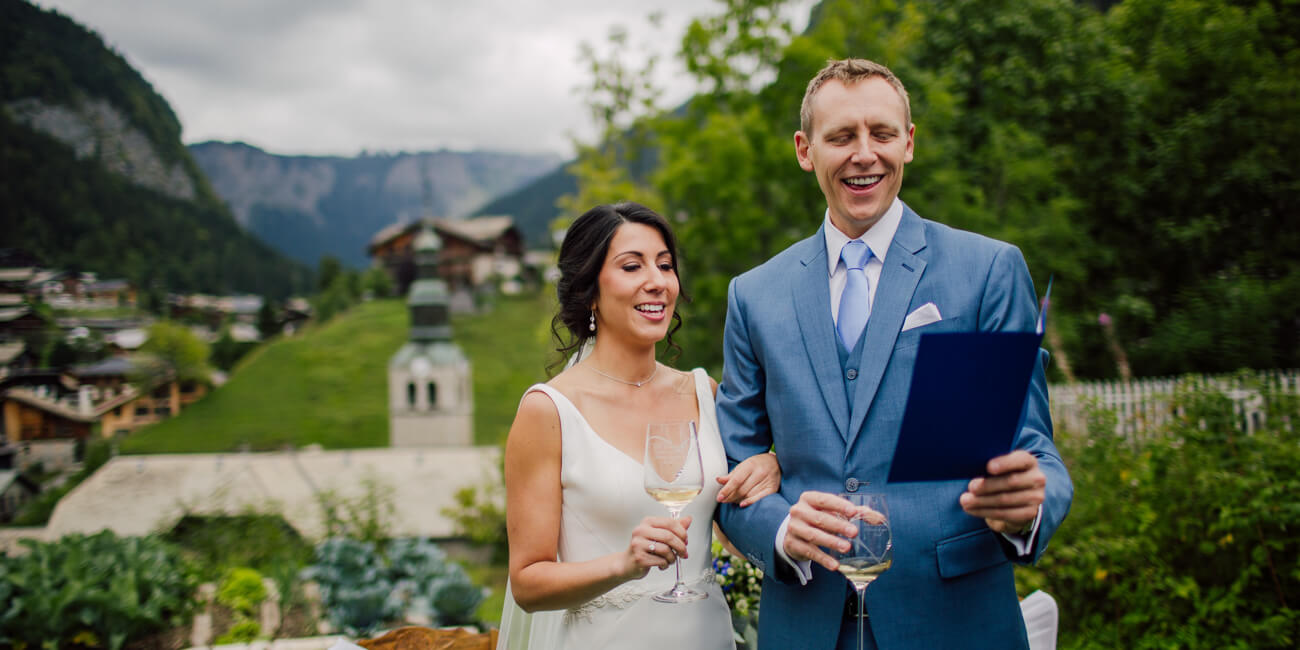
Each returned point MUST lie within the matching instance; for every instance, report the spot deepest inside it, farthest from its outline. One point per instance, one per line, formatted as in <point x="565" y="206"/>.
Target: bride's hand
<point x="656" y="542"/>
<point x="752" y="479"/>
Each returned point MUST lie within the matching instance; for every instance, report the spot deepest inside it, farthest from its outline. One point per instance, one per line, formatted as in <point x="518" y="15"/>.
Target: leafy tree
<point x="619" y="100"/>
<point x="267" y="323"/>
<point x="1144" y="157"/>
<point x="377" y="282"/>
<point x="327" y="272"/>
<point x="172" y="349"/>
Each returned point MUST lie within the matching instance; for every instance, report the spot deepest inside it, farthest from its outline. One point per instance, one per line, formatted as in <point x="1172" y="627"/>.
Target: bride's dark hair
<point x="581" y="257"/>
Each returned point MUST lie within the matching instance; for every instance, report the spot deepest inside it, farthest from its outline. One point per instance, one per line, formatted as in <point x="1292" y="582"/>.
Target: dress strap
<point x="704" y="397"/>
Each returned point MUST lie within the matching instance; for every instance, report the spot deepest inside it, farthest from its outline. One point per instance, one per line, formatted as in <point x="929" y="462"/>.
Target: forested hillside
<point x="93" y="175"/>
<point x="1143" y="153"/>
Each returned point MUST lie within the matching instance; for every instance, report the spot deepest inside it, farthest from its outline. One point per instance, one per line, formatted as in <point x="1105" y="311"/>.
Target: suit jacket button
<point x="851" y="485"/>
<point x="851" y="374"/>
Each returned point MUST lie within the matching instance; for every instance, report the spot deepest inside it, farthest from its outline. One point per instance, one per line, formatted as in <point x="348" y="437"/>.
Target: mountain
<point x="309" y="206"/>
<point x="93" y="175"/>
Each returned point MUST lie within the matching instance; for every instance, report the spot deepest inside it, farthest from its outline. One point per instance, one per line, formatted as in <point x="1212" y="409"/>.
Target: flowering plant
<point x="741" y="583"/>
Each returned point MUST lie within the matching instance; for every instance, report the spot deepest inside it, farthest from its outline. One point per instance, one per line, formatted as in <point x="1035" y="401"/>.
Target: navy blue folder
<point x="966" y="402"/>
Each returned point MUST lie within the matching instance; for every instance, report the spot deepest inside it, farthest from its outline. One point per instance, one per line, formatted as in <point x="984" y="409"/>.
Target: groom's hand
<point x="816" y="523"/>
<point x="1009" y="497"/>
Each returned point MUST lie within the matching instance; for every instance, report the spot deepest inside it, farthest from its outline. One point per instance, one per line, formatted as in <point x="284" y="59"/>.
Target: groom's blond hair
<point x="849" y="72"/>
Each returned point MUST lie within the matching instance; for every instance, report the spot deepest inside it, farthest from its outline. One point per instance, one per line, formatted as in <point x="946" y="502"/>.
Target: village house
<point x="51" y="422"/>
<point x="109" y="293"/>
<point x="475" y="252"/>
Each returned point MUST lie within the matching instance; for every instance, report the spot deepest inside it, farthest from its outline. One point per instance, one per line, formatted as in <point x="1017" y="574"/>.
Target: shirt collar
<point x="877" y="238"/>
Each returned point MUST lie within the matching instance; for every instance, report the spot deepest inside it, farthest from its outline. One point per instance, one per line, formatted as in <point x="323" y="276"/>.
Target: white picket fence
<point x="1145" y="403"/>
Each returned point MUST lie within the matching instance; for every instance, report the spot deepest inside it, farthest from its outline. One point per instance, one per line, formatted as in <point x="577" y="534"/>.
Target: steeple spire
<point x="428" y="297"/>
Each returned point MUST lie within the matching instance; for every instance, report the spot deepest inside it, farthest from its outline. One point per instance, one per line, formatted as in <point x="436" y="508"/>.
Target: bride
<point x="588" y="546"/>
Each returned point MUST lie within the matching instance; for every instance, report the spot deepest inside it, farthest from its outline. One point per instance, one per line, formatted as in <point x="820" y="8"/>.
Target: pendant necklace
<point x="635" y="384"/>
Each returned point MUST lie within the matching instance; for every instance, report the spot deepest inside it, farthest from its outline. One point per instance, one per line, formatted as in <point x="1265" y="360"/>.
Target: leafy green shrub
<point x="480" y="516"/>
<point x="366" y="516"/>
<point x="242" y="591"/>
<point x="241" y="632"/>
<point x="361" y="589"/>
<point x="1189" y="538"/>
<point x="100" y="589"/>
<point x="218" y="543"/>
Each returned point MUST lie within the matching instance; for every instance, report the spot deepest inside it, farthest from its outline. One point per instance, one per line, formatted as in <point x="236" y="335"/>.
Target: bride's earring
<point x="591" y="322"/>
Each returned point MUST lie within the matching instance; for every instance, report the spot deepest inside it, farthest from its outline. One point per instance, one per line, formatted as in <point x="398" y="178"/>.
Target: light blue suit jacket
<point x="951" y="582"/>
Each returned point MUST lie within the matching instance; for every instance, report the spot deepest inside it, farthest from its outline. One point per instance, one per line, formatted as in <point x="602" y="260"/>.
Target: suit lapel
<point x="898" y="280"/>
<point x="812" y="301"/>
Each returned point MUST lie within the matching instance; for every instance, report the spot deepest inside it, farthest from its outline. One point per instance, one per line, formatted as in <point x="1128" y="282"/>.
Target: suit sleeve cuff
<point x="803" y="568"/>
<point x="1023" y="543"/>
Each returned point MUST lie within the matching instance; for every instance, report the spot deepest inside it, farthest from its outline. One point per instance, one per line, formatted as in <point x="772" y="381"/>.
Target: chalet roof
<point x="110" y="367"/>
<point x="10" y="476"/>
<point x="10" y="351"/>
<point x="68" y="406"/>
<point x="46" y="275"/>
<point x="480" y="230"/>
<point x="136" y="495"/>
<point x="103" y="324"/>
<point x="8" y="314"/>
<point x="22" y="274"/>
<point x="128" y="339"/>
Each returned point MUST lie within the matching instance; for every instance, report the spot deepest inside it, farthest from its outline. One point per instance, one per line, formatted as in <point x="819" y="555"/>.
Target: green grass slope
<point x="329" y="385"/>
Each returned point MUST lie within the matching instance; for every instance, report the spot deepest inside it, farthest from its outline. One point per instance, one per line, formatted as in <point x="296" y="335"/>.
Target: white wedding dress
<point x="603" y="500"/>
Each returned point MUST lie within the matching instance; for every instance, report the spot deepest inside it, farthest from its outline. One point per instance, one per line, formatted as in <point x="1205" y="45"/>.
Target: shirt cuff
<point x="1023" y="543"/>
<point x="802" y="568"/>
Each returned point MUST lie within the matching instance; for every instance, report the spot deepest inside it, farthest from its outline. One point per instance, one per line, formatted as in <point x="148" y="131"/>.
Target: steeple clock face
<point x="421" y="368"/>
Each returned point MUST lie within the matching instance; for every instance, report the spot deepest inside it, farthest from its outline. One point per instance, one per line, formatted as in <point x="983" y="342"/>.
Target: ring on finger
<point x="651" y="548"/>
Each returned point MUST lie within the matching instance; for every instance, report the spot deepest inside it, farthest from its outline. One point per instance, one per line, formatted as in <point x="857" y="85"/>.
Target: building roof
<point x="10" y="351"/>
<point x="110" y="367"/>
<point x="137" y="495"/>
<point x="438" y="353"/>
<point x="67" y="408"/>
<point x="480" y="230"/>
<point x="23" y="274"/>
<point x="10" y="476"/>
<point x="8" y="314"/>
<point x="128" y="339"/>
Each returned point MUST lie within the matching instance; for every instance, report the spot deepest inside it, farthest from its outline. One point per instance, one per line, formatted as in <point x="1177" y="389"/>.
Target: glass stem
<point x="677" y="564"/>
<point x="861" y="592"/>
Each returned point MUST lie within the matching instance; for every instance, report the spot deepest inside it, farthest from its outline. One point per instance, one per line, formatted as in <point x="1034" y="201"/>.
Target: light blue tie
<point x="855" y="303"/>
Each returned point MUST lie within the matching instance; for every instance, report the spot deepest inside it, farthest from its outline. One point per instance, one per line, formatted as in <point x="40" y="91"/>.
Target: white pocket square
<point x="924" y="315"/>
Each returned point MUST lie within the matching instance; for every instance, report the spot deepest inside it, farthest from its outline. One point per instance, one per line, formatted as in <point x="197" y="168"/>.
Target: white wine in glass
<point x="871" y="551"/>
<point x="674" y="476"/>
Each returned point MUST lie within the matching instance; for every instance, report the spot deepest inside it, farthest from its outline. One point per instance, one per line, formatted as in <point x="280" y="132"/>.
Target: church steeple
<point x="428" y="298"/>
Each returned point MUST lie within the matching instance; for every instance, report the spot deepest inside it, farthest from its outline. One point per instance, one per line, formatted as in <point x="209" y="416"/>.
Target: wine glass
<point x="871" y="551"/>
<point x="673" y="477"/>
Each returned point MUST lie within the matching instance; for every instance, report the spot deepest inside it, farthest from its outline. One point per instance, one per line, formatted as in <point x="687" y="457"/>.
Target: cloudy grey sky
<point x="339" y="76"/>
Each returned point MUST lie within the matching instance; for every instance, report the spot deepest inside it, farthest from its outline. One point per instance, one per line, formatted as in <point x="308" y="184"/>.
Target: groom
<point x="820" y="342"/>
